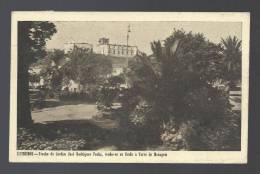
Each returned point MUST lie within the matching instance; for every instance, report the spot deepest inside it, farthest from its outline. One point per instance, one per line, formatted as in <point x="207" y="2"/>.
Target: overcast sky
<point x="142" y="33"/>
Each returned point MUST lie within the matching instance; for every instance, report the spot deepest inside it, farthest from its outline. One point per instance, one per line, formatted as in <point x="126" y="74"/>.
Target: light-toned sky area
<point x="142" y="33"/>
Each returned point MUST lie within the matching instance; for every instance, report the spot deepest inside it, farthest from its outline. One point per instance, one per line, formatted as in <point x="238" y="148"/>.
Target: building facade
<point x="117" y="50"/>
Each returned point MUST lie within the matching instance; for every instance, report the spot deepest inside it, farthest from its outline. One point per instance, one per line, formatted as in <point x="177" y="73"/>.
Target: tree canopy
<point x="176" y="84"/>
<point x="86" y="67"/>
<point x="32" y="37"/>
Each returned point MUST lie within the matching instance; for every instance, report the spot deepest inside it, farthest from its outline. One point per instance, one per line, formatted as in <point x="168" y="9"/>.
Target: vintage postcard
<point x="129" y="87"/>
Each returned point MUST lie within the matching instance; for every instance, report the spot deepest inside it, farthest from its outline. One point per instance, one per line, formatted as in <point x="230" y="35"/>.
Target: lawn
<point x="73" y="127"/>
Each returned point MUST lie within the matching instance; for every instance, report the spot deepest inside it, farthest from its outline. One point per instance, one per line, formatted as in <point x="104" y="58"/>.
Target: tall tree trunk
<point x="24" y="118"/>
<point x="31" y="42"/>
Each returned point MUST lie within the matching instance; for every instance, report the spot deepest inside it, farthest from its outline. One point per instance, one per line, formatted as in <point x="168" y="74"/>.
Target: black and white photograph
<point x="147" y="87"/>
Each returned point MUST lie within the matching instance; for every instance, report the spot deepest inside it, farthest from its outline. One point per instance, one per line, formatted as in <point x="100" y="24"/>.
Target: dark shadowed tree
<point x="51" y="69"/>
<point x="175" y="86"/>
<point x="32" y="38"/>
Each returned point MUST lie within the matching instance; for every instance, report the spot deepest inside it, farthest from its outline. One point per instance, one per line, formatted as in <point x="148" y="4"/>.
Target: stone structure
<point x="68" y="47"/>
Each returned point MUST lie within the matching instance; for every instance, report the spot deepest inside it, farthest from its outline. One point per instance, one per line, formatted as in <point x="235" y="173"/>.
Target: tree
<point x="56" y="56"/>
<point x="87" y="68"/>
<point x="232" y="57"/>
<point x="32" y="38"/>
<point x="51" y="69"/>
<point x="175" y="86"/>
<point x="193" y="66"/>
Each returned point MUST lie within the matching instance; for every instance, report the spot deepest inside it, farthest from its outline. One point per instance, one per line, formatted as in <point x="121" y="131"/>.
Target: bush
<point x="139" y="115"/>
<point x="110" y="92"/>
<point x="194" y="135"/>
<point x="107" y="95"/>
<point x="175" y="136"/>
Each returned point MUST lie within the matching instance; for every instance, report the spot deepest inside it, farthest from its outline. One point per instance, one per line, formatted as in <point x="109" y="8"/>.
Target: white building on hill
<point x="117" y="50"/>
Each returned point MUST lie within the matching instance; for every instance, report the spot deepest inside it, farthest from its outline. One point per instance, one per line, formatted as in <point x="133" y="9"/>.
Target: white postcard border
<point x="219" y="157"/>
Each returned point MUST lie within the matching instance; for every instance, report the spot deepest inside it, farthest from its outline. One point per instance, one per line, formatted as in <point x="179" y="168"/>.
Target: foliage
<point x="87" y="68"/>
<point x="33" y="37"/>
<point x="62" y="135"/>
<point x="50" y="70"/>
<point x="232" y="58"/>
<point x="177" y="84"/>
<point x="138" y="116"/>
<point x="115" y="81"/>
<point x="110" y="91"/>
<point x="52" y="74"/>
<point x="56" y="56"/>
<point x="34" y="78"/>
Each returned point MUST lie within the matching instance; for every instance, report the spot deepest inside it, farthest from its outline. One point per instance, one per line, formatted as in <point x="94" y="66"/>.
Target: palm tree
<point x="232" y="60"/>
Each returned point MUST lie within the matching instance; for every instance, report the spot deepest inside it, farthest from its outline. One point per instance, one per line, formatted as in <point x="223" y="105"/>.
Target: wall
<point x="68" y="47"/>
